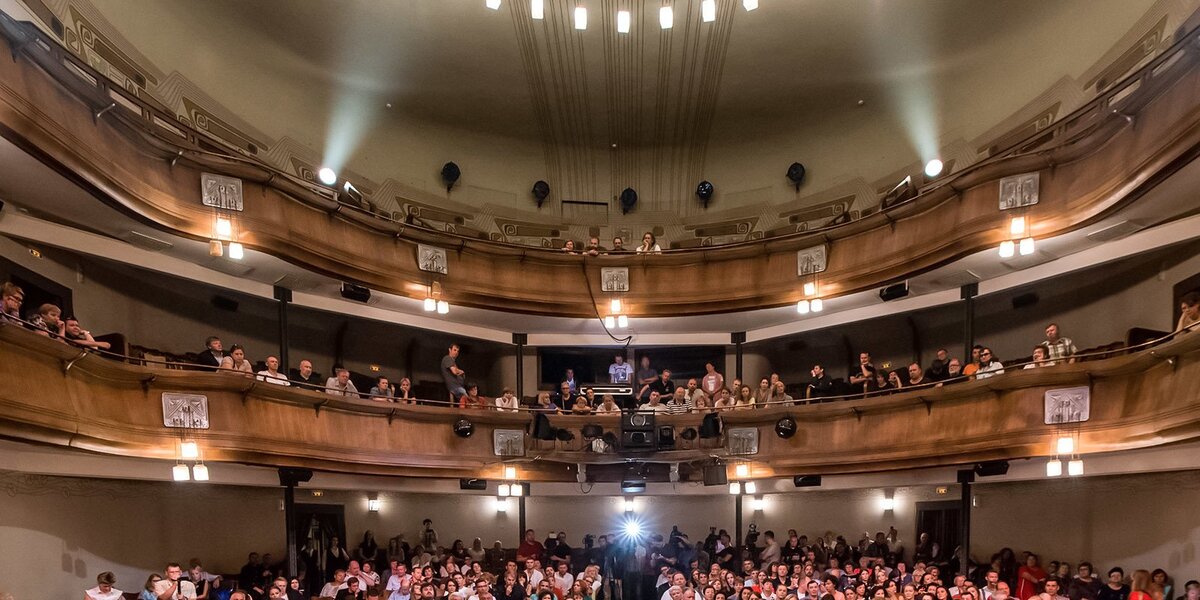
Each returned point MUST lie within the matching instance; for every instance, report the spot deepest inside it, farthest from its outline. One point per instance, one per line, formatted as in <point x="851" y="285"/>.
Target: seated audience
<point x="1189" y="306"/>
<point x="78" y="336"/>
<point x="744" y="398"/>
<point x="954" y="369"/>
<point x="939" y="369"/>
<point x="340" y="384"/>
<point x="569" y="247"/>
<point x="581" y="406"/>
<point x="472" y="399"/>
<point x="593" y="247"/>
<point x="649" y="244"/>
<point x="212" y="354"/>
<point x="173" y="586"/>
<point x="723" y="400"/>
<point x="565" y="399"/>
<point x="305" y="375"/>
<point x="779" y="393"/>
<point x="339" y="583"/>
<point x="820" y="386"/>
<point x="607" y="406"/>
<point x="236" y="361"/>
<point x="916" y="377"/>
<point x="271" y="374"/>
<point x="147" y="592"/>
<point x="507" y="401"/>
<point x="618" y="246"/>
<point x="972" y="366"/>
<point x="104" y="589"/>
<point x="11" y="299"/>
<point x="1039" y="358"/>
<point x="48" y="322"/>
<point x="653" y="405"/>
<point x="988" y="365"/>
<point x="404" y="394"/>
<point x="383" y="390"/>
<point x="679" y="402"/>
<point x="545" y="404"/>
<point x="1058" y="348"/>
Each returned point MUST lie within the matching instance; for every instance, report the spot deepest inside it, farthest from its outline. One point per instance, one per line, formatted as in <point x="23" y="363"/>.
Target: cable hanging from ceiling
<point x="624" y="20"/>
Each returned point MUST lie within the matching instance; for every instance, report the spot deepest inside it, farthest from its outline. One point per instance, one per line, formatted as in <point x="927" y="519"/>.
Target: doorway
<point x="316" y="525"/>
<point x="942" y="520"/>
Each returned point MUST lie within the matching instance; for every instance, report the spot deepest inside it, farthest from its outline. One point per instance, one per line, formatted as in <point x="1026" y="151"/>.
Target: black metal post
<point x="284" y="296"/>
<point x="738" y="338"/>
<point x="520" y="339"/>
<point x="289" y="509"/>
<point x="737" y="519"/>
<point x="968" y="293"/>
<point x="965" y="477"/>
<point x="521" y="519"/>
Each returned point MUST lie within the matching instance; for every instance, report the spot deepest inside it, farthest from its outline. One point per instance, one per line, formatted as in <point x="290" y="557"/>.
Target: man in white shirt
<point x="355" y="570"/>
<point x="563" y="579"/>
<point x="340" y="384"/>
<point x="653" y="406"/>
<point x="533" y="572"/>
<point x="988" y="365"/>
<point x="272" y="374"/>
<point x="620" y="371"/>
<point x="171" y="587"/>
<point x="399" y="585"/>
<point x="331" y="589"/>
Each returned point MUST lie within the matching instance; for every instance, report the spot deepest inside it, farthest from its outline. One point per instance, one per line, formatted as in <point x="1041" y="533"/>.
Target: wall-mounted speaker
<point x="290" y="476"/>
<point x="1024" y="300"/>
<point x="991" y="468"/>
<point x="715" y="475"/>
<point x="806" y="480"/>
<point x="894" y="291"/>
<point x="224" y="303"/>
<point x="472" y="484"/>
<point x="357" y="293"/>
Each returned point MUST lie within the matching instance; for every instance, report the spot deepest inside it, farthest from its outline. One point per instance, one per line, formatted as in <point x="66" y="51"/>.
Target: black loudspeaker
<point x="966" y="475"/>
<point x="592" y="431"/>
<point x="894" y="292"/>
<point x="715" y="475"/>
<point x="357" y="293"/>
<point x="638" y="431"/>
<point x="520" y="339"/>
<point x="290" y="477"/>
<point x="806" y="480"/>
<point x="637" y="440"/>
<point x="991" y="468"/>
<point x="666" y="437"/>
<point x="1024" y="300"/>
<point x="283" y="294"/>
<point x="472" y="484"/>
<point x="224" y="303"/>
<point x="737" y="337"/>
<point x="541" y="428"/>
<point x="710" y="427"/>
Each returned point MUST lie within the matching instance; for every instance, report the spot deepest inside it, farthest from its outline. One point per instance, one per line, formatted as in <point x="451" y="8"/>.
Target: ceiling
<point x="392" y="88"/>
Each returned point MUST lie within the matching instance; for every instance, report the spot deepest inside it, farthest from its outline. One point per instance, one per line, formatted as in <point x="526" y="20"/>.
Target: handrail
<point x="10" y="321"/>
<point x="27" y="34"/>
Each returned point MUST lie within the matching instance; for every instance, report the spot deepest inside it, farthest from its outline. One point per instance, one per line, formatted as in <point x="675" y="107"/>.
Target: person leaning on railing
<point x="1189" y="305"/>
<point x="236" y="360"/>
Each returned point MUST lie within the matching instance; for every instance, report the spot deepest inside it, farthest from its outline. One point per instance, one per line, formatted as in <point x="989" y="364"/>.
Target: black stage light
<point x="894" y="291"/>
<point x="785" y="427"/>
<point x="629" y="199"/>
<point x="592" y="431"/>
<point x="689" y="434"/>
<point x="704" y="191"/>
<point x="795" y="174"/>
<point x="710" y="427"/>
<point x="463" y="428"/>
<point x="450" y="174"/>
<point x="991" y="468"/>
<point x="541" y="191"/>
<point x="563" y="435"/>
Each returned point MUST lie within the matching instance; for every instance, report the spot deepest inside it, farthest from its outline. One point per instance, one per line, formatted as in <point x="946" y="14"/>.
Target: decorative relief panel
<point x="1019" y="190"/>
<point x="1068" y="405"/>
<point x="742" y="440"/>
<point x="812" y="260"/>
<point x="508" y="442"/>
<point x="186" y="411"/>
<point x="432" y="259"/>
<point x="614" y="279"/>
<point x="221" y="192"/>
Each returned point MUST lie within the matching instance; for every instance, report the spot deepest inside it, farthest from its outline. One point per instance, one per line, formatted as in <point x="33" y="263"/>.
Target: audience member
<point x="618" y="246"/>
<point x="972" y="366"/>
<point x="172" y="587"/>
<point x="455" y="377"/>
<point x="507" y="401"/>
<point x="48" y="322"/>
<point x="472" y="399"/>
<point x="305" y="375"/>
<point x="954" y="369"/>
<point x="104" y="589"/>
<point x="569" y="378"/>
<point x="271" y="374"/>
<point x="988" y="365"/>
<point x="916" y="376"/>
<point x="76" y="335"/>
<point x="712" y="380"/>
<point x="645" y="376"/>
<point x="152" y="583"/>
<point x="649" y="244"/>
<point x="1189" y="307"/>
<point x="1039" y="358"/>
<point x="404" y="394"/>
<point x="593" y="247"/>
<point x="653" y="405"/>
<point x="607" y="406"/>
<point x="383" y="390"/>
<point x="679" y="402"/>
<point x="545" y="404"/>
<point x="820" y="386"/>
<point x="939" y="369"/>
<point x="663" y="385"/>
<point x="212" y="354"/>
<point x="569" y="247"/>
<point x="340" y="384"/>
<point x="1058" y="348"/>
<point x="864" y="374"/>
<point x="1115" y="588"/>
<point x="565" y="398"/>
<point x="620" y="371"/>
<point x="779" y="393"/>
<point x="236" y="361"/>
<point x="11" y="299"/>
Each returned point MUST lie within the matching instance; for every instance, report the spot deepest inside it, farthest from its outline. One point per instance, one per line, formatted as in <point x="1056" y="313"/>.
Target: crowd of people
<point x="635" y="566"/>
<point x="649" y="245"/>
<point x="652" y="390"/>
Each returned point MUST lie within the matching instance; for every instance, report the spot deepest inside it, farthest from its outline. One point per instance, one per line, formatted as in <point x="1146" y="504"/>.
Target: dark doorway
<point x="942" y="521"/>
<point x="316" y="525"/>
<point x="38" y="289"/>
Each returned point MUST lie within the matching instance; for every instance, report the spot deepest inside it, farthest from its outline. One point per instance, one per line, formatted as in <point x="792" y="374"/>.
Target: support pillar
<point x="968" y="293"/>
<point x="737" y="338"/>
<point x="965" y="478"/>
<point x="519" y="340"/>
<point x="284" y="296"/>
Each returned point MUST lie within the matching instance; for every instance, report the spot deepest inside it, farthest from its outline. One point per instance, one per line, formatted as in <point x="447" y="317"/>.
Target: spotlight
<point x="564" y="435"/>
<point x="443" y="307"/>
<point x="708" y="11"/>
<point x="236" y="252"/>
<point x="810" y="288"/>
<point x="463" y="428"/>
<point x="189" y="450"/>
<point x="493" y="4"/>
<point x="1025" y="248"/>
<point x="373" y="504"/>
<point x="430" y="305"/>
<point x="741" y="471"/>
<point x="704" y="191"/>
<point x="933" y="168"/>
<point x="541" y="191"/>
<point x="689" y="434"/>
<point x="1054" y="468"/>
<point x="817" y="305"/>
<point x="510" y="473"/>
<point x="795" y="174"/>
<point x="180" y="472"/>
<point x="785" y="427"/>
<point x="1075" y="467"/>
<point x="735" y="488"/>
<point x="200" y="472"/>
<point x="750" y="487"/>
<point x="622" y="321"/>
<point x="803" y="307"/>
<point x="632" y="528"/>
<point x="610" y="322"/>
<point x="450" y="174"/>
<point x="580" y="18"/>
<point x="503" y="490"/>
<point x="1065" y="445"/>
<point x="327" y="176"/>
<point x="537" y="9"/>
<point x="615" y="305"/>
<point x="224" y="227"/>
<point x="888" y="504"/>
<point x="629" y="505"/>
<point x="1017" y="226"/>
<point x="1007" y="249"/>
<point x="666" y="17"/>
<point x="623" y="20"/>
<point x="750" y="4"/>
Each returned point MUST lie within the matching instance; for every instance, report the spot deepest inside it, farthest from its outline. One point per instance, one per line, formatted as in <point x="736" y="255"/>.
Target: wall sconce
<point x="181" y="472"/>
<point x="741" y="471"/>
<point x="888" y="504"/>
<point x="373" y="504"/>
<point x="189" y="450"/>
<point x="750" y="487"/>
<point x="510" y="473"/>
<point x="501" y="505"/>
<point x="200" y="472"/>
<point x="503" y="490"/>
<point x="1054" y="468"/>
<point x="629" y="505"/>
<point x="735" y="488"/>
<point x="758" y="504"/>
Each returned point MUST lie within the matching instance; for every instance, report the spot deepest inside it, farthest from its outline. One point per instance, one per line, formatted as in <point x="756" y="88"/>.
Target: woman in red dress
<point x="1030" y="577"/>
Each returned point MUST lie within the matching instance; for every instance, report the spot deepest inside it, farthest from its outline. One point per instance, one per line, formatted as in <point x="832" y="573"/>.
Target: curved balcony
<point x="142" y="161"/>
<point x="56" y="394"/>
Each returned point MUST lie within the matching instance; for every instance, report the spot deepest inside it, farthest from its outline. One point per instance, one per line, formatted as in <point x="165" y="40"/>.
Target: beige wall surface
<point x="70" y="529"/>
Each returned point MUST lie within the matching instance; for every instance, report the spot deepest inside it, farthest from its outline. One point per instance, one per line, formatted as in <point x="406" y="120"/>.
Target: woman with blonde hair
<point x="1139" y="585"/>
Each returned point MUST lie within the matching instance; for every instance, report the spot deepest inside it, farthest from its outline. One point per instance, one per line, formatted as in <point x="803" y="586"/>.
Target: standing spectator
<point x="271" y="374"/>
<point x="236" y="360"/>
<point x="988" y="365"/>
<point x="81" y="337"/>
<point x="1030" y="577"/>
<point x="104" y="589"/>
<point x="620" y="371"/>
<point x="340" y="384"/>
<point x="864" y="374"/>
<point x="213" y="353"/>
<point x="530" y="549"/>
<point x="429" y="536"/>
<point x="11" y="298"/>
<point x="507" y="401"/>
<point x="1189" y="305"/>
<point x="455" y="377"/>
<point x="569" y="378"/>
<point x="383" y="390"/>
<point x="1058" y="348"/>
<point x="645" y="376"/>
<point x="712" y="380"/>
<point x="663" y="385"/>
<point x="820" y="386"/>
